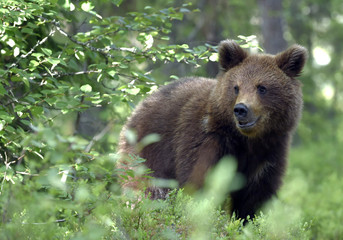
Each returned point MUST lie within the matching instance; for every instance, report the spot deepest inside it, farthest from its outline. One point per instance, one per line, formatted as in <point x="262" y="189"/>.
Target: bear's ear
<point x="292" y="60"/>
<point x="230" y="54"/>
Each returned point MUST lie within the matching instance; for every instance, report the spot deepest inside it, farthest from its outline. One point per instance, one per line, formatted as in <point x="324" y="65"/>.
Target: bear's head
<point x="259" y="93"/>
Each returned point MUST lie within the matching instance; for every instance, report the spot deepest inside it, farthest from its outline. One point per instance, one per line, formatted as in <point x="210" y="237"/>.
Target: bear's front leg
<point x="192" y="164"/>
<point x="257" y="190"/>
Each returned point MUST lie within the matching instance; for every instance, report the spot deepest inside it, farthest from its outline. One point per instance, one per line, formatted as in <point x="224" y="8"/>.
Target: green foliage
<point x="55" y="182"/>
<point x="313" y="186"/>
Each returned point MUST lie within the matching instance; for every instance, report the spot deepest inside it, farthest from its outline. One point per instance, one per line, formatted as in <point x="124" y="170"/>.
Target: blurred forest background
<point x="72" y="71"/>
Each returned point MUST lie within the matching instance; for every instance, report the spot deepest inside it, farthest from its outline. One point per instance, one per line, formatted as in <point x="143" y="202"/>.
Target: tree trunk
<point x="272" y="24"/>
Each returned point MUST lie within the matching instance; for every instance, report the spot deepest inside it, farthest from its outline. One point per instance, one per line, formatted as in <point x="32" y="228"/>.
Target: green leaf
<point x="61" y="104"/>
<point x="87" y="6"/>
<point x="2" y="124"/>
<point x="37" y="55"/>
<point x="2" y="90"/>
<point x="166" y="38"/>
<point x="133" y="91"/>
<point x="53" y="61"/>
<point x="112" y="72"/>
<point x="117" y="2"/>
<point x="101" y="66"/>
<point x="184" y="10"/>
<point x="19" y="108"/>
<point x="33" y="64"/>
<point x="31" y="25"/>
<point x="187" y="4"/>
<point x="47" y="51"/>
<point x="51" y="101"/>
<point x="178" y="16"/>
<point x="37" y="111"/>
<point x="6" y="117"/>
<point x="86" y="88"/>
<point x="179" y="57"/>
<point x="16" y="51"/>
<point x="213" y="57"/>
<point x="27" y="30"/>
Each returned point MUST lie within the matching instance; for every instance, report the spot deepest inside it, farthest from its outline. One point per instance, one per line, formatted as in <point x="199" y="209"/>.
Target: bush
<point x="58" y="177"/>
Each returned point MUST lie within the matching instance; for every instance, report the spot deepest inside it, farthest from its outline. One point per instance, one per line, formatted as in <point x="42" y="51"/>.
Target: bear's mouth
<point x="247" y="124"/>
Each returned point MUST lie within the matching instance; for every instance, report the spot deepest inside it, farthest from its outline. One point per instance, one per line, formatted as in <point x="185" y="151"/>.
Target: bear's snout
<point x="241" y="111"/>
<point x="245" y="117"/>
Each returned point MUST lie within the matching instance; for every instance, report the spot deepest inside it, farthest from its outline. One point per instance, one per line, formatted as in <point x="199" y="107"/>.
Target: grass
<point x="308" y="206"/>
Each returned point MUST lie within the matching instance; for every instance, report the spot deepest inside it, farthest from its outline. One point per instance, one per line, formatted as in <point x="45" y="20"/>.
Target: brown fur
<point x="199" y="121"/>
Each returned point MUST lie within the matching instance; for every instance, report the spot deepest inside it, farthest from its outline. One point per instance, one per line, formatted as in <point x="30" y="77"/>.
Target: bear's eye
<point x="261" y="89"/>
<point x="236" y="88"/>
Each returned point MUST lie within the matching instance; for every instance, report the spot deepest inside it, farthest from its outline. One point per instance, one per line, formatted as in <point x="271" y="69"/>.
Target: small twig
<point x="103" y="51"/>
<point x="59" y="56"/>
<point x="20" y="159"/>
<point x="56" y="221"/>
<point x="58" y="74"/>
<point x="7" y="164"/>
<point x="28" y="174"/>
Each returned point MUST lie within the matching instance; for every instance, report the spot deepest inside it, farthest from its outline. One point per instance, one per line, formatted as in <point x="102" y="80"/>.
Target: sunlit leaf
<point x="133" y="91"/>
<point x="87" y="6"/>
<point x="86" y="88"/>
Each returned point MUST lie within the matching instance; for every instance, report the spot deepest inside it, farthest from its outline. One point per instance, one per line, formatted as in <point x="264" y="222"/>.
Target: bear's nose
<point x="240" y="110"/>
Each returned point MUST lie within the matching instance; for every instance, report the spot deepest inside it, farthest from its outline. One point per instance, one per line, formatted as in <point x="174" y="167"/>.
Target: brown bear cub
<point x="249" y="113"/>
